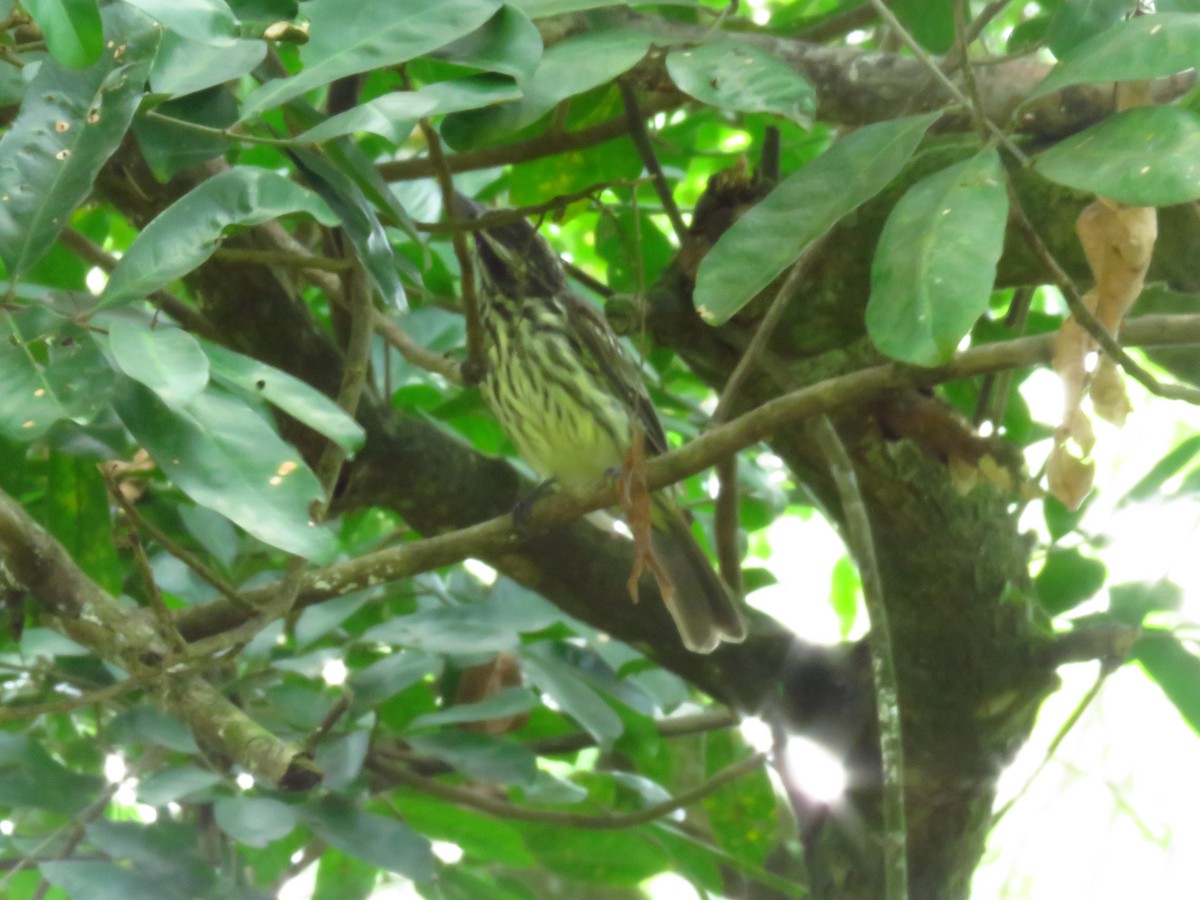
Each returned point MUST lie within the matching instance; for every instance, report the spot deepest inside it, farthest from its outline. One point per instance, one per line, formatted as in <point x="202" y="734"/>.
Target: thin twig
<point x="160" y="537"/>
<point x="961" y="43"/>
<point x="283" y="259"/>
<point x="883" y="663"/>
<point x="971" y="33"/>
<point x="641" y="140"/>
<point x="611" y="821"/>
<point x="226" y="133"/>
<point x="473" y="368"/>
<point x="993" y="393"/>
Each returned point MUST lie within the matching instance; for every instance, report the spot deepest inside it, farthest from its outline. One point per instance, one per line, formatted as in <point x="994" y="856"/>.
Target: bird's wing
<point x="614" y="366"/>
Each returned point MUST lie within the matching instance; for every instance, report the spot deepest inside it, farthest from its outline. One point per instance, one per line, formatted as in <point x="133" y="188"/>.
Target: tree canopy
<point x="269" y="614"/>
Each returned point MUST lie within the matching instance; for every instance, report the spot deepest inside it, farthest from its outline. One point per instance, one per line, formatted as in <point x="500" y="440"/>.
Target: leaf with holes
<point x="71" y="122"/>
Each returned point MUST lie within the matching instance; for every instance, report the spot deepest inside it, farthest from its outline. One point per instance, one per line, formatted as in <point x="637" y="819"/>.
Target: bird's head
<point x="514" y="260"/>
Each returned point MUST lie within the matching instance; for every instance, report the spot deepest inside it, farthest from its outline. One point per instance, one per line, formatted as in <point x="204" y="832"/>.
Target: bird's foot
<point x="522" y="512"/>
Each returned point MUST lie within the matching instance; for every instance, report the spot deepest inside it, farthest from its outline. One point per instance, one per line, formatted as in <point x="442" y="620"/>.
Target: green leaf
<point x="1142" y="47"/>
<point x="376" y="35"/>
<point x="482" y="837"/>
<point x="170" y="149"/>
<point x="224" y="456"/>
<point x="391" y="675"/>
<point x="1175" y="669"/>
<point x="393" y="116"/>
<point x="1151" y="484"/>
<point x="255" y="821"/>
<point x="570" y="67"/>
<point x="106" y="881"/>
<point x="167" y="360"/>
<point x="168" y="785"/>
<point x="1075" y="21"/>
<point x="378" y="840"/>
<point x="844" y="588"/>
<point x="184" y="66"/>
<point x="509" y="702"/>
<point x="189" y="231"/>
<point x="30" y="777"/>
<point x="1067" y="579"/>
<point x="1147" y="156"/>
<point x="1131" y="603"/>
<point x="603" y="857"/>
<point x="575" y="698"/>
<point x="636" y="251"/>
<point x="69" y="125"/>
<point x="509" y="44"/>
<point x="51" y="369"/>
<point x="73" y="30"/>
<point x="342" y="877"/>
<point x="931" y="22"/>
<point x="481" y="757"/>
<point x="208" y="21"/>
<point x="28" y="404"/>
<point x="358" y="220"/>
<point x="733" y="75"/>
<point x="299" y="400"/>
<point x="468" y="629"/>
<point x="935" y="265"/>
<point x="742" y="814"/>
<point x="75" y="509"/>
<point x="805" y="205"/>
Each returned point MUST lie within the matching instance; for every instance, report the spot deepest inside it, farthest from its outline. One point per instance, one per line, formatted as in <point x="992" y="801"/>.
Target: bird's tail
<point x="703" y="607"/>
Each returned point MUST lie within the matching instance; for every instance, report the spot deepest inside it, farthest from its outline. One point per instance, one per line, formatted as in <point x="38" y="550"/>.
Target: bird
<point x="570" y="398"/>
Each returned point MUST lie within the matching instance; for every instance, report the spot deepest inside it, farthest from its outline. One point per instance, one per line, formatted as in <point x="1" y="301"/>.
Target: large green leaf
<point x="375" y="35"/>
<point x="184" y="66"/>
<point x="733" y="75"/>
<point x="1142" y="47"/>
<point x="509" y="702"/>
<point x="208" y="21"/>
<point x="170" y="149"/>
<point x="255" y="821"/>
<point x="1176" y="670"/>
<point x="189" y="231"/>
<point x="380" y="841"/>
<point x="393" y="115"/>
<point x="1075" y="21"/>
<point x="1067" y="579"/>
<point x="75" y="509"/>
<point x="482" y="837"/>
<point x="73" y="30"/>
<point x="470" y="628"/>
<point x="70" y="124"/>
<point x="570" y="67"/>
<point x="931" y="22"/>
<point x="626" y="857"/>
<point x="51" y="369"/>
<point x="358" y="219"/>
<point x="935" y="265"/>
<point x="805" y="205"/>
<point x="575" y="698"/>
<point x="224" y="456"/>
<point x="1147" y="156"/>
<point x="480" y="757"/>
<point x="509" y="44"/>
<point x="167" y="360"/>
<point x="299" y="400"/>
<point x="742" y="814"/>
